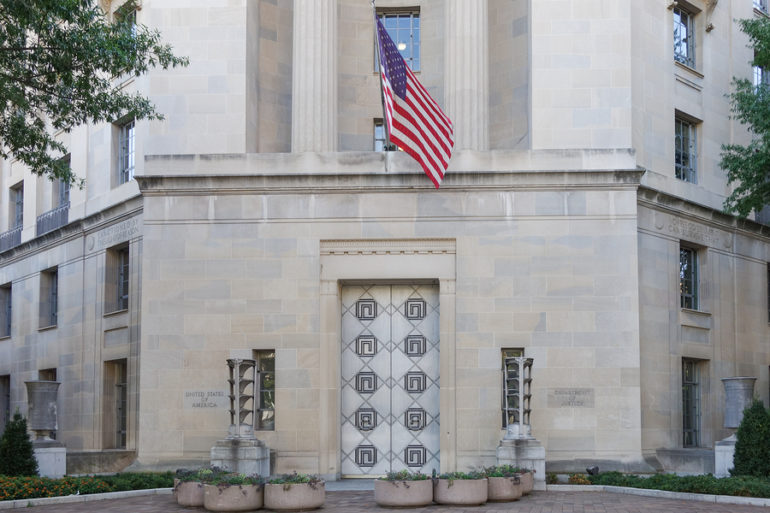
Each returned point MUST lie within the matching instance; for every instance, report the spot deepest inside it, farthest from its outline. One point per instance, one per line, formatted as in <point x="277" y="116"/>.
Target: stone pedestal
<point x="51" y="458"/>
<point x="524" y="453"/>
<point x="724" y="451"/>
<point x="241" y="455"/>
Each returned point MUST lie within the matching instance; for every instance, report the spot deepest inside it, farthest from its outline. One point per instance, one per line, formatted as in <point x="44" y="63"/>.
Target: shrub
<point x="405" y="475"/>
<point x="752" y="450"/>
<point x="473" y="474"/>
<point x="503" y="471"/>
<point x="580" y="479"/>
<point x="289" y="479"/>
<point x="17" y="458"/>
<point x="745" y="486"/>
<point x="138" y="481"/>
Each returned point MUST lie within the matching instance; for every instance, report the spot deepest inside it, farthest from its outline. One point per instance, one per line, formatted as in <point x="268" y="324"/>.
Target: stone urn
<point x="295" y="496"/>
<point x="739" y="392"/>
<point x="224" y="497"/>
<point x="42" y="414"/>
<point x="403" y="494"/>
<point x="461" y="492"/>
<point x="504" y="489"/>
<point x="189" y="493"/>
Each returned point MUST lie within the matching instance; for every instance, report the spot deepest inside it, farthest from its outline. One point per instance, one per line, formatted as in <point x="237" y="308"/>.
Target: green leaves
<point x="748" y="167"/>
<point x="58" y="63"/>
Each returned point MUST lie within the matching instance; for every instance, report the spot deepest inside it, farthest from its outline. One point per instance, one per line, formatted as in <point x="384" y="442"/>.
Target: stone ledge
<point x="25" y="503"/>
<point x="643" y="492"/>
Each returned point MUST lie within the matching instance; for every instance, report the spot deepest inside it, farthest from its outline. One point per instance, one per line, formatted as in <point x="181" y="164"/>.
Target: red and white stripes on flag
<point x="416" y="123"/>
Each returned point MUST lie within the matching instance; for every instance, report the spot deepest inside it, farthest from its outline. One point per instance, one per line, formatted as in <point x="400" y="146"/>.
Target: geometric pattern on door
<point x="390" y="379"/>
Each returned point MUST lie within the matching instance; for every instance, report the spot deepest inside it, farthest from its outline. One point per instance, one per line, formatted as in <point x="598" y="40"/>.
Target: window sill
<point x="701" y="313"/>
<point x="5" y="337"/>
<point x="760" y="12"/>
<point x="115" y="312"/>
<point x="47" y="328"/>
<point x="688" y="69"/>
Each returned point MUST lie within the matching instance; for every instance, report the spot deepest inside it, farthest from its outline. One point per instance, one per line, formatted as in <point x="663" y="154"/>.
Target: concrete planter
<point x="503" y="489"/>
<point x="527" y="482"/>
<point x="461" y="492"/>
<point x="294" y="497"/>
<point x="245" y="497"/>
<point x="188" y="493"/>
<point x="400" y="494"/>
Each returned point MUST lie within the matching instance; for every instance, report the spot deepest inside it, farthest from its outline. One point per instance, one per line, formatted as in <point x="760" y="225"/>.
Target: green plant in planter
<point x="503" y="471"/>
<point x="203" y="475"/>
<point x="452" y="476"/>
<point x="226" y="479"/>
<point x="403" y="476"/>
<point x="289" y="479"/>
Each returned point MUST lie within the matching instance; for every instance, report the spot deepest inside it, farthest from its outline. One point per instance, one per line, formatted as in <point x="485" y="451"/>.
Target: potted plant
<point x="403" y="489"/>
<point x="527" y="477"/>
<point x="233" y="492"/>
<point x="188" y="486"/>
<point x="504" y="483"/>
<point x="295" y="492"/>
<point x="461" y="488"/>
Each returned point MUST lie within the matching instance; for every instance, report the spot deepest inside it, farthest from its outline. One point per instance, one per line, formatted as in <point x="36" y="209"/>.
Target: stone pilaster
<point x="314" y="76"/>
<point x="467" y="72"/>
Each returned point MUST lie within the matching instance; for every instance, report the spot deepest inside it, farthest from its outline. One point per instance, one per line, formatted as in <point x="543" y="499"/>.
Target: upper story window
<point x="380" y="139"/>
<point x="760" y="76"/>
<point x="688" y="278"/>
<point x="17" y="206"/>
<point x="126" y="151"/>
<point x="6" y="311"/>
<point x="49" y="297"/>
<point x="685" y="150"/>
<point x="61" y="191"/>
<point x="684" y="37"/>
<point x="404" y="29"/>
<point x="760" y="5"/>
<point x="117" y="279"/>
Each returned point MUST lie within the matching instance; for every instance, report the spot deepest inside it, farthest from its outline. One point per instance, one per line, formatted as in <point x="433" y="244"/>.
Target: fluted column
<point x="466" y="81"/>
<point x="314" y="76"/>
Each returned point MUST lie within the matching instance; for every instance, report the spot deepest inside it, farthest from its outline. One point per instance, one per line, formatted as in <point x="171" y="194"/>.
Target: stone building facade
<point x="580" y="223"/>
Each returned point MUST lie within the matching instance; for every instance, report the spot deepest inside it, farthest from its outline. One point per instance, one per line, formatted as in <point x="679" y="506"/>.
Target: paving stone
<point x="363" y="502"/>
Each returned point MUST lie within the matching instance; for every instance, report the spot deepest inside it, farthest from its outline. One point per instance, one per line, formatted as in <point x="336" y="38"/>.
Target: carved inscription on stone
<point x="694" y="232"/>
<point x="114" y="234"/>
<point x="570" y="397"/>
<point x="195" y="399"/>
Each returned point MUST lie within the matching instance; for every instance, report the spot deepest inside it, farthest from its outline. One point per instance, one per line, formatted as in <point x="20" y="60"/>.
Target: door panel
<point x="390" y="379"/>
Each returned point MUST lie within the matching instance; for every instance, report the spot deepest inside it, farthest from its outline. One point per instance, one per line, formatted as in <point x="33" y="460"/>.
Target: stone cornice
<point x="76" y="229"/>
<point x="674" y="205"/>
<point x="350" y="172"/>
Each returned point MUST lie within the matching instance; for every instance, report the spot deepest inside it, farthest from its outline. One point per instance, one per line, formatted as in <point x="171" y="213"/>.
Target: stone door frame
<point x="386" y="261"/>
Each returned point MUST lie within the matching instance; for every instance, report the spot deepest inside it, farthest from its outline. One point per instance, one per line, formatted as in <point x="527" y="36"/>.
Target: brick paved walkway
<point x="360" y="502"/>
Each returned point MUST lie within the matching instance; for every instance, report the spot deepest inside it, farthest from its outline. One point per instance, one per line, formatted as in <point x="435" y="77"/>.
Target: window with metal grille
<point x="688" y="278"/>
<point x="690" y="403"/>
<point x="5" y="310"/>
<point x="5" y="401"/>
<point x="121" y="403"/>
<point x="265" y="393"/>
<point x="510" y="399"/>
<point x="122" y="300"/>
<point x="403" y="27"/>
<point x="126" y="152"/>
<point x="684" y="37"/>
<point x="685" y="150"/>
<point x="17" y="201"/>
<point x="49" y="297"/>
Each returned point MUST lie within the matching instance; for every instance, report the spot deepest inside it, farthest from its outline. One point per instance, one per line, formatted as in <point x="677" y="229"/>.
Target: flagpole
<point x="382" y="92"/>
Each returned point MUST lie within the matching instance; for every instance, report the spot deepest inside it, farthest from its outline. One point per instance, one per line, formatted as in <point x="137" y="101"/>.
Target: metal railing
<point x="53" y="219"/>
<point x="10" y="239"/>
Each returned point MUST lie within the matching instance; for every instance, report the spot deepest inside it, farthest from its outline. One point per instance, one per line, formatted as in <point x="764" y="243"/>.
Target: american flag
<point x="416" y="123"/>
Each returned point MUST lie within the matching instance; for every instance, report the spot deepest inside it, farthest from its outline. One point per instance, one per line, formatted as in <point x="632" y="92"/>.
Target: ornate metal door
<point x="390" y="379"/>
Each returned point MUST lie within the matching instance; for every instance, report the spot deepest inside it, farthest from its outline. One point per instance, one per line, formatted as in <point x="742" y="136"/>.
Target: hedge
<point x="743" y="486"/>
<point x="15" y="488"/>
